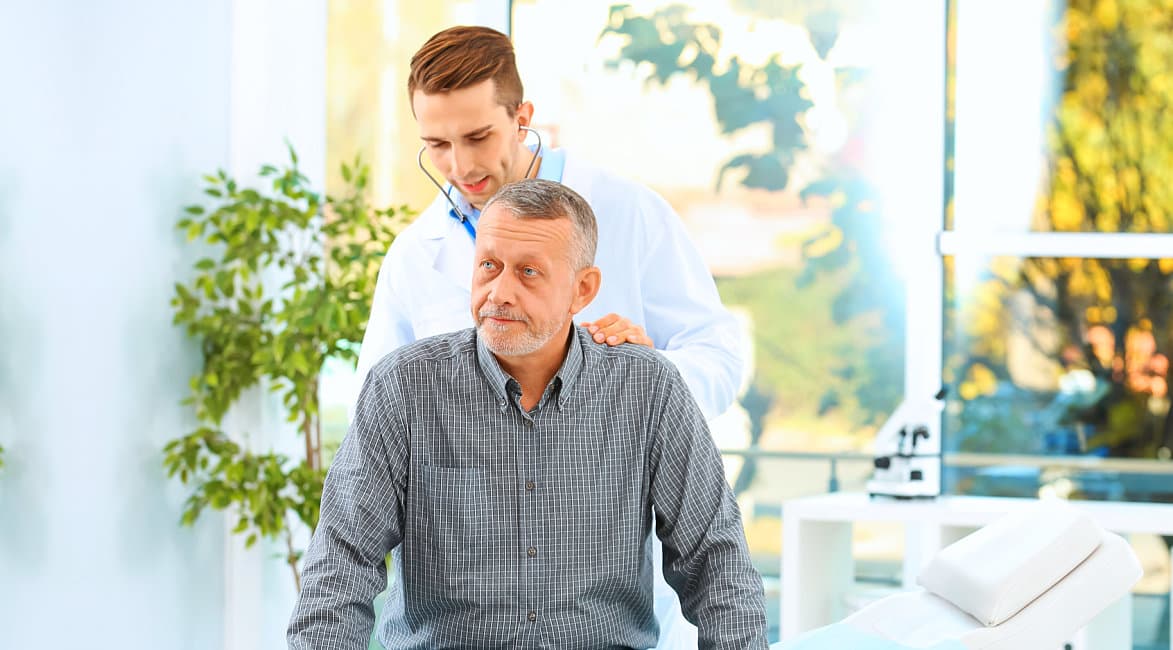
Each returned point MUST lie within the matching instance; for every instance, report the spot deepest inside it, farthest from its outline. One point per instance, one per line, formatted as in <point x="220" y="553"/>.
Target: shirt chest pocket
<point x="454" y="503"/>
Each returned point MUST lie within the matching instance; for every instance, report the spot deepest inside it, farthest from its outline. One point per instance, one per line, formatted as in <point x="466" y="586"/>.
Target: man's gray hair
<point x="536" y="198"/>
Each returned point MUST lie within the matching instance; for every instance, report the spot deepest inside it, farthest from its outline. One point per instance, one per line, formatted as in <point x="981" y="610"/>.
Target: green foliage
<point x="1" y="457"/>
<point x="848" y="252"/>
<point x="289" y="287"/>
<point x="743" y="94"/>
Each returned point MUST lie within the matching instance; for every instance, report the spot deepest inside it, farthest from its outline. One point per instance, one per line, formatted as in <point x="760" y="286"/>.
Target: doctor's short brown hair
<point x="460" y="57"/>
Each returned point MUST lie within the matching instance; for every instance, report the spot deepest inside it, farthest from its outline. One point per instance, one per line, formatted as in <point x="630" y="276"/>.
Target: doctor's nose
<point x="461" y="162"/>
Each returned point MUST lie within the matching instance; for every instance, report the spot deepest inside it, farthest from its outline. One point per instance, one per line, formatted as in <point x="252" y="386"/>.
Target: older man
<point x="512" y="470"/>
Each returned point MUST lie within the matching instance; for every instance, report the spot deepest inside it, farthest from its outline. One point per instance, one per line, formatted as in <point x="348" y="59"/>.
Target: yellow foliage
<point x="1066" y="212"/>
<point x="1079" y="283"/>
<point x="984" y="379"/>
<point x="1075" y="25"/>
<point x="827" y="241"/>
<point x="1107" y="14"/>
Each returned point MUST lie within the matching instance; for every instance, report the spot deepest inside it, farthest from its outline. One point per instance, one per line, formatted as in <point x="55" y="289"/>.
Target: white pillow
<point x="998" y="570"/>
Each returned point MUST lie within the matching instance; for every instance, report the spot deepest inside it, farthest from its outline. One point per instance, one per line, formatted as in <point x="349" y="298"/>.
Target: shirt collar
<point x="503" y="385"/>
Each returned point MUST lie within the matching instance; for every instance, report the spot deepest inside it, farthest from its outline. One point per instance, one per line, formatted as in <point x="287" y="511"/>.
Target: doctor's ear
<point x="525" y="116"/>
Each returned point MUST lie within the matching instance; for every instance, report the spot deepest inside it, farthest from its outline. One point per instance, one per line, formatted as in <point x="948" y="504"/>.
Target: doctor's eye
<point x="487" y="265"/>
<point x="530" y="272"/>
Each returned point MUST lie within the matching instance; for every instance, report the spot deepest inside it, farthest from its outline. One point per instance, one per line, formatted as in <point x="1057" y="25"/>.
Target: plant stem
<point x="291" y="559"/>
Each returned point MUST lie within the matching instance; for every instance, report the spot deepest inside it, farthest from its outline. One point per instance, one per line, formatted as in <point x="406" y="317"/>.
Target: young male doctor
<point x="466" y="96"/>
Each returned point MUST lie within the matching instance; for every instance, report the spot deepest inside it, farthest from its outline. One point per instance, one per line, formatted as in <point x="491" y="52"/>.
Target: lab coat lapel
<point x="447" y="247"/>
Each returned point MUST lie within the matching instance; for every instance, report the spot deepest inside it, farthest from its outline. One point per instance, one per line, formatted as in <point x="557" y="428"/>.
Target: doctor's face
<point x="524" y="288"/>
<point x="472" y="140"/>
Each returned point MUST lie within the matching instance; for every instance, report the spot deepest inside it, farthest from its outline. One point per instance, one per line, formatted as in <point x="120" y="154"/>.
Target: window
<point x="1059" y="282"/>
<point x="369" y="48"/>
<point x="802" y="148"/>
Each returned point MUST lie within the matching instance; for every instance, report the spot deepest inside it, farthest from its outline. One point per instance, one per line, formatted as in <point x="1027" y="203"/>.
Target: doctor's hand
<point x="614" y="329"/>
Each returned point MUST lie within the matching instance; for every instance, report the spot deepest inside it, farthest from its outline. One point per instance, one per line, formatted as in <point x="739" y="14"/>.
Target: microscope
<point x="908" y="448"/>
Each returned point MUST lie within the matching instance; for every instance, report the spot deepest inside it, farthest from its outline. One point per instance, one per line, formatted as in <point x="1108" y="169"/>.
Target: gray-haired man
<point x="512" y="470"/>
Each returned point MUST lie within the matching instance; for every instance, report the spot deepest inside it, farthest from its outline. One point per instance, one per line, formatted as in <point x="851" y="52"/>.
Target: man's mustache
<point x="501" y="312"/>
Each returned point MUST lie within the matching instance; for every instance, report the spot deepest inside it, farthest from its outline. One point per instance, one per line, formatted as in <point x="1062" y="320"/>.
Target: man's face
<point x="524" y="287"/>
<point x="472" y="140"/>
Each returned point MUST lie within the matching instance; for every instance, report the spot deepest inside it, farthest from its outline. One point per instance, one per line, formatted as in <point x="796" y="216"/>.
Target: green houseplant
<point x="289" y="288"/>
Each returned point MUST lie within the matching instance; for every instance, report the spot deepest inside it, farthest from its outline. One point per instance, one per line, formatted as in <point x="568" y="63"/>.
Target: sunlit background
<point x="789" y="136"/>
<point x="891" y="194"/>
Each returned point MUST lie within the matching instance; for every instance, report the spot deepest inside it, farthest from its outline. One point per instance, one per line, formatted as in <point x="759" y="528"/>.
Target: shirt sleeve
<point x="706" y="558"/>
<point x="684" y="315"/>
<point x="361" y="521"/>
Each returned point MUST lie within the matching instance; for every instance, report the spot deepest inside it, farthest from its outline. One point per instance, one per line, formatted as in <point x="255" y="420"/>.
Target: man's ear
<point x="586" y="287"/>
<point x="525" y="116"/>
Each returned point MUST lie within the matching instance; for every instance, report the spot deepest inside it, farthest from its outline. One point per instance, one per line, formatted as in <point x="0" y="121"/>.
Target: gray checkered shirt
<point x="511" y="529"/>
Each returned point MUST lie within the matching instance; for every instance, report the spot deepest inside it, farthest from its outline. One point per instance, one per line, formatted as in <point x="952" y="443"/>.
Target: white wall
<point x="109" y="111"/>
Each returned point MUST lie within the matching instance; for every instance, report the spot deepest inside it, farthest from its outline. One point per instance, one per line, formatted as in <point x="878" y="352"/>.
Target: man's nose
<point x="461" y="162"/>
<point x="503" y="290"/>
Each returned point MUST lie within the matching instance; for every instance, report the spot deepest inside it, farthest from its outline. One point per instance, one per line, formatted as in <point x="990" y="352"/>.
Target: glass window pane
<point x="368" y="49"/>
<point x="1060" y="357"/>
<point x="1062" y="116"/>
<point x="767" y="127"/>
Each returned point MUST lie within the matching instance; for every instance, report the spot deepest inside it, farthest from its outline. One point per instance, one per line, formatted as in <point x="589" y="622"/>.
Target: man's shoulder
<point x="419" y="356"/>
<point x="628" y="361"/>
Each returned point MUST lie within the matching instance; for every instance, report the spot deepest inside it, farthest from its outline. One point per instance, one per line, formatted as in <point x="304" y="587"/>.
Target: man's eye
<point x="488" y="266"/>
<point x="478" y="138"/>
<point x="530" y="272"/>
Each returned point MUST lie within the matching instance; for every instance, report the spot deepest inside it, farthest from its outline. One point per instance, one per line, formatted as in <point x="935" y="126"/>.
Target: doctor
<point x="466" y="96"/>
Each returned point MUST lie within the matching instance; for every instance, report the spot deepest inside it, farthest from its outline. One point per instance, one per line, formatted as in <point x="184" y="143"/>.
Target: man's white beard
<point x="499" y="341"/>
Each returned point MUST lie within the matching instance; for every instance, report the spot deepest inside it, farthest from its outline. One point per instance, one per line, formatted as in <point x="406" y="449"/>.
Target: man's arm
<point x="706" y="559"/>
<point x="361" y="521"/>
<point x="683" y="313"/>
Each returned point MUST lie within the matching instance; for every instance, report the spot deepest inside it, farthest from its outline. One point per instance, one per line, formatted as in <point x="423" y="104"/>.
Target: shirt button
<point x="532" y="616"/>
<point x="529" y="485"/>
<point x="531" y="551"/>
<point x="529" y="424"/>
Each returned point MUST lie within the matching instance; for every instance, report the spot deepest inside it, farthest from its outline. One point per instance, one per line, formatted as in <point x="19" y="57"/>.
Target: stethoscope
<point x="419" y="160"/>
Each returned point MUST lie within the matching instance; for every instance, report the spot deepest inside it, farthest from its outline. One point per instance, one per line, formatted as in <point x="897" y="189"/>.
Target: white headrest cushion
<point x="998" y="570"/>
